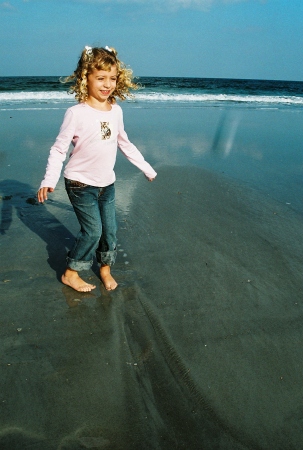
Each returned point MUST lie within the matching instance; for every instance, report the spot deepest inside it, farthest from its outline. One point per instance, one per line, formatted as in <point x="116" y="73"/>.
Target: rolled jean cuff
<point x="106" y="258"/>
<point x="78" y="265"/>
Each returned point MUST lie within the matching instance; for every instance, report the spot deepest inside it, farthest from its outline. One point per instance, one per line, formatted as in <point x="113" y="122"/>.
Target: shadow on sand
<point x="21" y="198"/>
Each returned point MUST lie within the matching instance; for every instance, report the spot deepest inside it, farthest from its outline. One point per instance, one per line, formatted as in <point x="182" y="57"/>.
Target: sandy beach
<point x="200" y="345"/>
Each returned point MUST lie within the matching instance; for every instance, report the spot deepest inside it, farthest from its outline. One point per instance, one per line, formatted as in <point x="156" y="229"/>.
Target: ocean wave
<point x="265" y="99"/>
<point x="39" y="96"/>
<point x="155" y="97"/>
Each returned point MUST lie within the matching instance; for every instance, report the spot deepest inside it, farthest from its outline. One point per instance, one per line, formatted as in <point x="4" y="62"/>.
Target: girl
<point x="95" y="128"/>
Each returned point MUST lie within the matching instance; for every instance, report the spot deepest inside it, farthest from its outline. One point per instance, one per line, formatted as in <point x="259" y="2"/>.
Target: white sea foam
<point x="49" y="97"/>
<point x="264" y="99"/>
<point x="39" y="96"/>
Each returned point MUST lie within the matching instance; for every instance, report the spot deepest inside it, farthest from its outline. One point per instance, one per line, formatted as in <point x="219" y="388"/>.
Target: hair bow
<point x="89" y="50"/>
<point x="108" y="49"/>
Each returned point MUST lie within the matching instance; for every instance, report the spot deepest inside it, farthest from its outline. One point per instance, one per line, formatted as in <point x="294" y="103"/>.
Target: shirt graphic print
<point x="105" y="130"/>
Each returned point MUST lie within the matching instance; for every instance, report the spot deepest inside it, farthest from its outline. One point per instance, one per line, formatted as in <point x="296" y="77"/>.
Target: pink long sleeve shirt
<point x="95" y="136"/>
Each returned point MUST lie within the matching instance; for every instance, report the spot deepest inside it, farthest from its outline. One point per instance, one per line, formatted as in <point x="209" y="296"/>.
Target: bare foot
<point x="72" y="279"/>
<point x="109" y="282"/>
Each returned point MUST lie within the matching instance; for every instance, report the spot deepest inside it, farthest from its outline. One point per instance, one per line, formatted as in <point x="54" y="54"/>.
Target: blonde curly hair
<point x="99" y="58"/>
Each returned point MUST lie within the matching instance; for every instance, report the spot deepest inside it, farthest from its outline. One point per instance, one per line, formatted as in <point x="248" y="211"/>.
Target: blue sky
<point x="261" y="39"/>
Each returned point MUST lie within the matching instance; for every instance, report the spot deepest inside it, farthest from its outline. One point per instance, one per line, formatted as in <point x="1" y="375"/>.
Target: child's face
<point x="101" y="84"/>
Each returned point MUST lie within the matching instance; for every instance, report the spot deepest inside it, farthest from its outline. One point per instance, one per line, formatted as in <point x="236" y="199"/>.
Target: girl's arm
<point x="131" y="152"/>
<point x="57" y="156"/>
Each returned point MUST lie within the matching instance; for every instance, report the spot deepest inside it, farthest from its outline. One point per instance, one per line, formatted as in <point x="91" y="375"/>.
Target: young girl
<point x="95" y="128"/>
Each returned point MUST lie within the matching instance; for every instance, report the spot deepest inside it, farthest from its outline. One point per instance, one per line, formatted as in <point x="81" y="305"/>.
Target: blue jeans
<point x="96" y="213"/>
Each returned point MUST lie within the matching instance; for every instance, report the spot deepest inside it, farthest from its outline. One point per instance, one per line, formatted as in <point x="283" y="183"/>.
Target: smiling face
<point x="100" y="85"/>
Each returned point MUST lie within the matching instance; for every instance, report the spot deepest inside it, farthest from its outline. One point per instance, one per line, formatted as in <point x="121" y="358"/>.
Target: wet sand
<point x="200" y="345"/>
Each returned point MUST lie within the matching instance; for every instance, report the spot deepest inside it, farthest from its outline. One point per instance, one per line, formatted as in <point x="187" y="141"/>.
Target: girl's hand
<point x="149" y="179"/>
<point x="42" y="193"/>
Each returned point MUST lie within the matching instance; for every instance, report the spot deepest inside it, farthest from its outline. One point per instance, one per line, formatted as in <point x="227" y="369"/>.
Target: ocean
<point x="48" y="92"/>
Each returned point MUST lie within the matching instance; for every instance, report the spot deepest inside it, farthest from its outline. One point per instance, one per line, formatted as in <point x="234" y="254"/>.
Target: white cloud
<point x="7" y="6"/>
<point x="171" y="4"/>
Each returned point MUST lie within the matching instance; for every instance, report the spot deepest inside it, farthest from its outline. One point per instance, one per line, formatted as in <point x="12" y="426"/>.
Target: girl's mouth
<point x="105" y="92"/>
